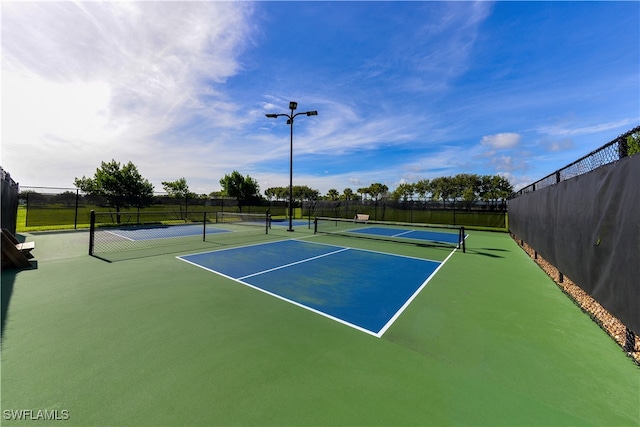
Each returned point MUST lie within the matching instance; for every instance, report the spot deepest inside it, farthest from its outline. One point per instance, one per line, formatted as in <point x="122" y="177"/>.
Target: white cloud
<point x="555" y="145"/>
<point x="585" y="130"/>
<point x="501" y="141"/>
<point x="508" y="164"/>
<point x="87" y="81"/>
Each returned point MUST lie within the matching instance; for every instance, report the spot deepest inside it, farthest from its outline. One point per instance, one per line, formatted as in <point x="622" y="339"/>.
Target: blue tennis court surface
<point x="432" y="236"/>
<point x="363" y="289"/>
<point x="163" y="231"/>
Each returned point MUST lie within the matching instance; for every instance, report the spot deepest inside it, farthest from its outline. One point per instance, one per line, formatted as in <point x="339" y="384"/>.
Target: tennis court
<point x="430" y="236"/>
<point x="302" y="332"/>
<point x="414" y="233"/>
<point x="351" y="286"/>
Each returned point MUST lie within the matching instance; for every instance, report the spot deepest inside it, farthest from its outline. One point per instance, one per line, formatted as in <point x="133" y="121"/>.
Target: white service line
<point x="293" y="263"/>
<point x="391" y="321"/>
<point x="404" y="232"/>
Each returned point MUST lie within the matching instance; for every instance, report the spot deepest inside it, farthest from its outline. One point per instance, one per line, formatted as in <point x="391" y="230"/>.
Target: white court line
<point x="415" y="294"/>
<point x="120" y="235"/>
<point x="290" y="301"/>
<point x="378" y="334"/>
<point x="293" y="263"/>
<point x="230" y="248"/>
<point x="404" y="232"/>
<point x="367" y="250"/>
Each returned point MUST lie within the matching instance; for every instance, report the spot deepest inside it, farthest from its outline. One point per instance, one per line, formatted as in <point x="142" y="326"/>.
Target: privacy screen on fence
<point x="589" y="228"/>
<point x="9" y="199"/>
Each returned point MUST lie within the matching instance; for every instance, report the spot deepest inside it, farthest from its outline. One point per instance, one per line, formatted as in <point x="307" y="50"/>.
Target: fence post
<point x="630" y="341"/>
<point x="623" y="149"/>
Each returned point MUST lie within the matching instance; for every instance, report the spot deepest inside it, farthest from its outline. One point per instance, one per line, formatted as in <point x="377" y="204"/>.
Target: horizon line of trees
<point x="461" y="187"/>
<point x="122" y="186"/>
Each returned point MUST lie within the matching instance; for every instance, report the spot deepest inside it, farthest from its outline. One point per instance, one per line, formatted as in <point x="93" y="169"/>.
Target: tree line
<point x="122" y="186"/>
<point x="462" y="187"/>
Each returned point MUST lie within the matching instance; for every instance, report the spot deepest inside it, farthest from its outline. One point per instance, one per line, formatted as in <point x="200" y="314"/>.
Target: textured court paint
<point x="490" y="341"/>
<point x="360" y="288"/>
<point x="247" y="260"/>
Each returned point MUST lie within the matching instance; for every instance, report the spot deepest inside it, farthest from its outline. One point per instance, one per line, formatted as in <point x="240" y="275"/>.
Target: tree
<point x="363" y="191"/>
<point x="240" y="187"/>
<point x="67" y="198"/>
<point x="403" y="192"/>
<point x="303" y="192"/>
<point x="348" y="194"/>
<point x="505" y="189"/>
<point x="494" y="187"/>
<point x="121" y="187"/>
<point x="422" y="188"/>
<point x="466" y="187"/>
<point x="633" y="143"/>
<point x="442" y="188"/>
<point x="377" y="191"/>
<point x="180" y="190"/>
<point x="271" y="193"/>
<point x="333" y="194"/>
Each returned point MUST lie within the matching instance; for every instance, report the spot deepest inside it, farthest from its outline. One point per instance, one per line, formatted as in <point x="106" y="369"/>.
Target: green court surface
<point x="152" y="340"/>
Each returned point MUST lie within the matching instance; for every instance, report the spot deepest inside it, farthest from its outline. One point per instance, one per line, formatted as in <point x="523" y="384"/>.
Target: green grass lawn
<point x="491" y="340"/>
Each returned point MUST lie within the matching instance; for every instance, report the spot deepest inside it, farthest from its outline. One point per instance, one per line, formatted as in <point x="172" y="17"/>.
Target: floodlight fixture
<point x="292" y="106"/>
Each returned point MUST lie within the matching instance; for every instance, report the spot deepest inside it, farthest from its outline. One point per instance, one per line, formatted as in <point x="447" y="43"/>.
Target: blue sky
<point x="404" y="90"/>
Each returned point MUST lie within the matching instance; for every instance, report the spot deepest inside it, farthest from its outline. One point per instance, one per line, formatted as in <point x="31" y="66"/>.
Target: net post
<point x="204" y="226"/>
<point x="266" y="222"/>
<point x="92" y="232"/>
<point x="464" y="245"/>
<point x="315" y="225"/>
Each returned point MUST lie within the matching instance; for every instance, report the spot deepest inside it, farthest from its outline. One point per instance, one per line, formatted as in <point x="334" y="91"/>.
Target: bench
<point x="361" y="218"/>
<point x="15" y="253"/>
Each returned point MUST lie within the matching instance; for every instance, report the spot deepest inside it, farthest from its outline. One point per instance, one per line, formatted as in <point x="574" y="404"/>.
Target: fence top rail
<point x="561" y="174"/>
<point x="49" y="188"/>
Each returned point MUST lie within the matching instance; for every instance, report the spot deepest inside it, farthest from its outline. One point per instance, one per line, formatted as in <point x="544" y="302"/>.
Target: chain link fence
<point x="71" y="208"/>
<point x="589" y="234"/>
<point x="470" y="214"/>
<point x="610" y="152"/>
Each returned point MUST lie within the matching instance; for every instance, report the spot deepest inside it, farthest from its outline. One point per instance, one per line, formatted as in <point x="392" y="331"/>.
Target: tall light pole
<point x="292" y="106"/>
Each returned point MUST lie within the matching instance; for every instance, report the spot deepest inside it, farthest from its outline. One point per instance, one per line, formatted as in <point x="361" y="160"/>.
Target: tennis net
<point x="262" y="219"/>
<point x="415" y="233"/>
<point x="125" y="235"/>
